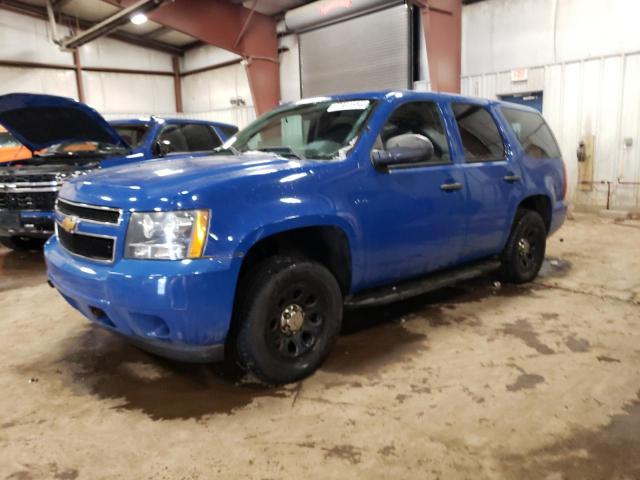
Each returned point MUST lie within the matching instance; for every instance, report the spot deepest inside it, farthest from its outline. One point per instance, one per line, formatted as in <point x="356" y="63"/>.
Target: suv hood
<point x="151" y="184"/>
<point x="39" y="121"/>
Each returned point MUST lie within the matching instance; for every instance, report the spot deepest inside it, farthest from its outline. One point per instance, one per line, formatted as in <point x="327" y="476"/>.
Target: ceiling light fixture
<point x="139" y="19"/>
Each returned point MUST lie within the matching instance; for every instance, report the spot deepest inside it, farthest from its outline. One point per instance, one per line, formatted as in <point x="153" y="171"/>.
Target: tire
<point x="22" y="244"/>
<point x="524" y="252"/>
<point x="288" y="316"/>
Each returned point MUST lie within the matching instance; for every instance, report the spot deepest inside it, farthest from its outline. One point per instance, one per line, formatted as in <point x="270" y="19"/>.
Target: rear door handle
<point x="450" y="187"/>
<point x="512" y="178"/>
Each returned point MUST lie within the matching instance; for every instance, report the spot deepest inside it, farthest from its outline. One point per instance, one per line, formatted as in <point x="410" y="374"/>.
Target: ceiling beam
<point x="60" y="4"/>
<point x="36" y="11"/>
<point x="156" y="33"/>
<point x="220" y="23"/>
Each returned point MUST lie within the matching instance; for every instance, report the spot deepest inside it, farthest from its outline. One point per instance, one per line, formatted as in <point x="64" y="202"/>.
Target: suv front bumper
<point x="177" y="309"/>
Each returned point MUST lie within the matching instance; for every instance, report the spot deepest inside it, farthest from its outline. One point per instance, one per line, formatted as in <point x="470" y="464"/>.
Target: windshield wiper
<point x="284" y="151"/>
<point x="230" y="148"/>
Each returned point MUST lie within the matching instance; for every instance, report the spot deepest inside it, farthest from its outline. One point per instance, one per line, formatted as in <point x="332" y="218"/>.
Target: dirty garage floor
<point x="476" y="381"/>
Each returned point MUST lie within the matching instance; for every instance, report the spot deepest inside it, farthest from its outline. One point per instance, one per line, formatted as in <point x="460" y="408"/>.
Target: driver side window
<point x="420" y="118"/>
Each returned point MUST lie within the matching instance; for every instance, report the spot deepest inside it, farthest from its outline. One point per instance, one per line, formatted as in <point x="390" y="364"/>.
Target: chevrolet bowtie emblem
<point x="70" y="223"/>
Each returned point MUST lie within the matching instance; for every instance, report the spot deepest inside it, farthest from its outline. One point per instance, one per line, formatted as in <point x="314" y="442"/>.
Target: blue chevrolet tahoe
<point x="71" y="139"/>
<point x="350" y="200"/>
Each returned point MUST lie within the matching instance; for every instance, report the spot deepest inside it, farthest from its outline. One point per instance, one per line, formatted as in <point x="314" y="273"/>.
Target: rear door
<point x="188" y="139"/>
<point x="493" y="179"/>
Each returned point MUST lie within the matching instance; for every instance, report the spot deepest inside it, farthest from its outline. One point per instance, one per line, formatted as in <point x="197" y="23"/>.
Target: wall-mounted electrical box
<point x="586" y="147"/>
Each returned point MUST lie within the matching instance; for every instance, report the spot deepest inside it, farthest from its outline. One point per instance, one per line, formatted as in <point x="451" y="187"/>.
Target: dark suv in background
<point x="68" y="139"/>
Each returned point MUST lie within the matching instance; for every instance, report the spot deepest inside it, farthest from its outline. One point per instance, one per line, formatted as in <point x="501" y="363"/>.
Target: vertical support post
<point x="442" y="21"/>
<point x="78" y="70"/>
<point x="177" y="83"/>
<point x="264" y="83"/>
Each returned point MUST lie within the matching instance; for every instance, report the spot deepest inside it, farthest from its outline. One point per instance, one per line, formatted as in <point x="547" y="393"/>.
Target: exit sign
<point x="520" y="75"/>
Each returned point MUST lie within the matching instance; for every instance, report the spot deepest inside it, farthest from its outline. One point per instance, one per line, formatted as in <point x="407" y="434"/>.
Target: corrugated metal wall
<point x="206" y="95"/>
<point x="598" y="94"/>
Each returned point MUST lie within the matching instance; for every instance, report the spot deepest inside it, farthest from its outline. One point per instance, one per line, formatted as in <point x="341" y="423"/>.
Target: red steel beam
<point x="442" y="21"/>
<point x="177" y="83"/>
<point x="78" y="69"/>
<point x="219" y="23"/>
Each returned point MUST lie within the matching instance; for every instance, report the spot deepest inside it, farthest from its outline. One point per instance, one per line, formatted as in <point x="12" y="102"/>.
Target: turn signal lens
<point x="199" y="234"/>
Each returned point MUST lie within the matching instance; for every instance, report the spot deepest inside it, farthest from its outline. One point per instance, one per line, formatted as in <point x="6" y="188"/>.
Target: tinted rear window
<point x="189" y="137"/>
<point x="533" y="133"/>
<point x="228" y="130"/>
<point x="481" y="139"/>
<point x="132" y="134"/>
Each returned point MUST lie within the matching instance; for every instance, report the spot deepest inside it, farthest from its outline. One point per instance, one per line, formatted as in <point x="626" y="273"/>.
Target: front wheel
<point x="23" y="243"/>
<point x="524" y="253"/>
<point x="288" y="315"/>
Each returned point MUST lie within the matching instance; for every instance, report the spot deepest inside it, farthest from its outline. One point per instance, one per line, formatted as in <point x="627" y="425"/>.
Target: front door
<point x="414" y="215"/>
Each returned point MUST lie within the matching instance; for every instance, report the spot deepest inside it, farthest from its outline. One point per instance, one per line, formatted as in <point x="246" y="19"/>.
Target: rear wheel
<point x="524" y="253"/>
<point x="288" y="318"/>
<point x="23" y="243"/>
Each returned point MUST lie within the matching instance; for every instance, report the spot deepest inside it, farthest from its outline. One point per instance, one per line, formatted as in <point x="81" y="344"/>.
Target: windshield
<point x="7" y="140"/>
<point x="321" y="130"/>
<point x="132" y="134"/>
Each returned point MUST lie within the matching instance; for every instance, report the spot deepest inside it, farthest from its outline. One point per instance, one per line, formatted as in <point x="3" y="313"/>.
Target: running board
<point x="412" y="288"/>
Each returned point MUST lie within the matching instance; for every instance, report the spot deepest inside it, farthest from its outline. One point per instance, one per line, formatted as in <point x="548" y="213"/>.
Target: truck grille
<point x="44" y="201"/>
<point x="29" y="191"/>
<point x="29" y="178"/>
<point x="89" y="246"/>
<point x="90" y="213"/>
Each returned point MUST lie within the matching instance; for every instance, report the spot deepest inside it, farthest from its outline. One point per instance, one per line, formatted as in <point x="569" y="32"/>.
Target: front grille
<point x="89" y="212"/>
<point x="44" y="201"/>
<point x="29" y="178"/>
<point x="89" y="246"/>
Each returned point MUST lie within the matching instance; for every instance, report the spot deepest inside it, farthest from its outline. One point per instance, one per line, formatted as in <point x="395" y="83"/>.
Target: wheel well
<point x="326" y="245"/>
<point x="540" y="204"/>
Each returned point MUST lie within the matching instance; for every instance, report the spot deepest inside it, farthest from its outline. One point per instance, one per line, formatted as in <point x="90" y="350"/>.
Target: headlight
<point x="167" y="235"/>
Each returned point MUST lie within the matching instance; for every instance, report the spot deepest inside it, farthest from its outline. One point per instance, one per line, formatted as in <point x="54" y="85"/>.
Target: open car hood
<point x="39" y="121"/>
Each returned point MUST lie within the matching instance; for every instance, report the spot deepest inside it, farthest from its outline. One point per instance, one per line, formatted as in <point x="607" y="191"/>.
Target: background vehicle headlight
<point x="167" y="235"/>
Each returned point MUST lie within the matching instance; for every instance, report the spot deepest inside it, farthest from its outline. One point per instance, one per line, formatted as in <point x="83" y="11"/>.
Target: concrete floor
<point x="476" y="381"/>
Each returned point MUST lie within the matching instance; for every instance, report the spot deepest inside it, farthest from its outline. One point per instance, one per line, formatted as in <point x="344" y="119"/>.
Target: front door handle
<point x="512" y="178"/>
<point x="450" y="187"/>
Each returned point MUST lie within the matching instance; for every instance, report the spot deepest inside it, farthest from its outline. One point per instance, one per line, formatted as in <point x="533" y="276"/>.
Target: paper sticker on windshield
<point x="353" y="105"/>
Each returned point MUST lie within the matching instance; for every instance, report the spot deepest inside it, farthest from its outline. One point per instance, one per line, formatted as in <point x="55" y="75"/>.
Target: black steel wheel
<point x="524" y="253"/>
<point x="288" y="316"/>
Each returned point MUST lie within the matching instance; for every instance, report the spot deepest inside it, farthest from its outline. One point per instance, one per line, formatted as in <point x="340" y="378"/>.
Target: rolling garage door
<point x="369" y="52"/>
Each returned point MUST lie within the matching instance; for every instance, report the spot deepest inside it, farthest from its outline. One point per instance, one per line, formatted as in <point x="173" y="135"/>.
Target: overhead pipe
<point x="108" y="24"/>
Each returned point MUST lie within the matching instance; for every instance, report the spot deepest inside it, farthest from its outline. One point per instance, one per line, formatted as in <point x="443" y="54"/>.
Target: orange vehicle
<point x="10" y="148"/>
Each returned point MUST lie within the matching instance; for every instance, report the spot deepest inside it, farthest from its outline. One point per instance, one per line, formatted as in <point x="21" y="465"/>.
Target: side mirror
<point x="161" y="148"/>
<point x="404" y="149"/>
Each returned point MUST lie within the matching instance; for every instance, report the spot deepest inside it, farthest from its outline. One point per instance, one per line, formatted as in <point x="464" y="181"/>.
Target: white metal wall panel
<point x="25" y="39"/>
<point x="370" y="52"/>
<point x="120" y="92"/>
<point x="289" y="69"/>
<point x="569" y="134"/>
<point x="206" y="56"/>
<point x="214" y="89"/>
<point x="38" y="80"/>
<point x="500" y="35"/>
<point x="109" y="53"/>
<point x="629" y="164"/>
<point x="607" y="133"/>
